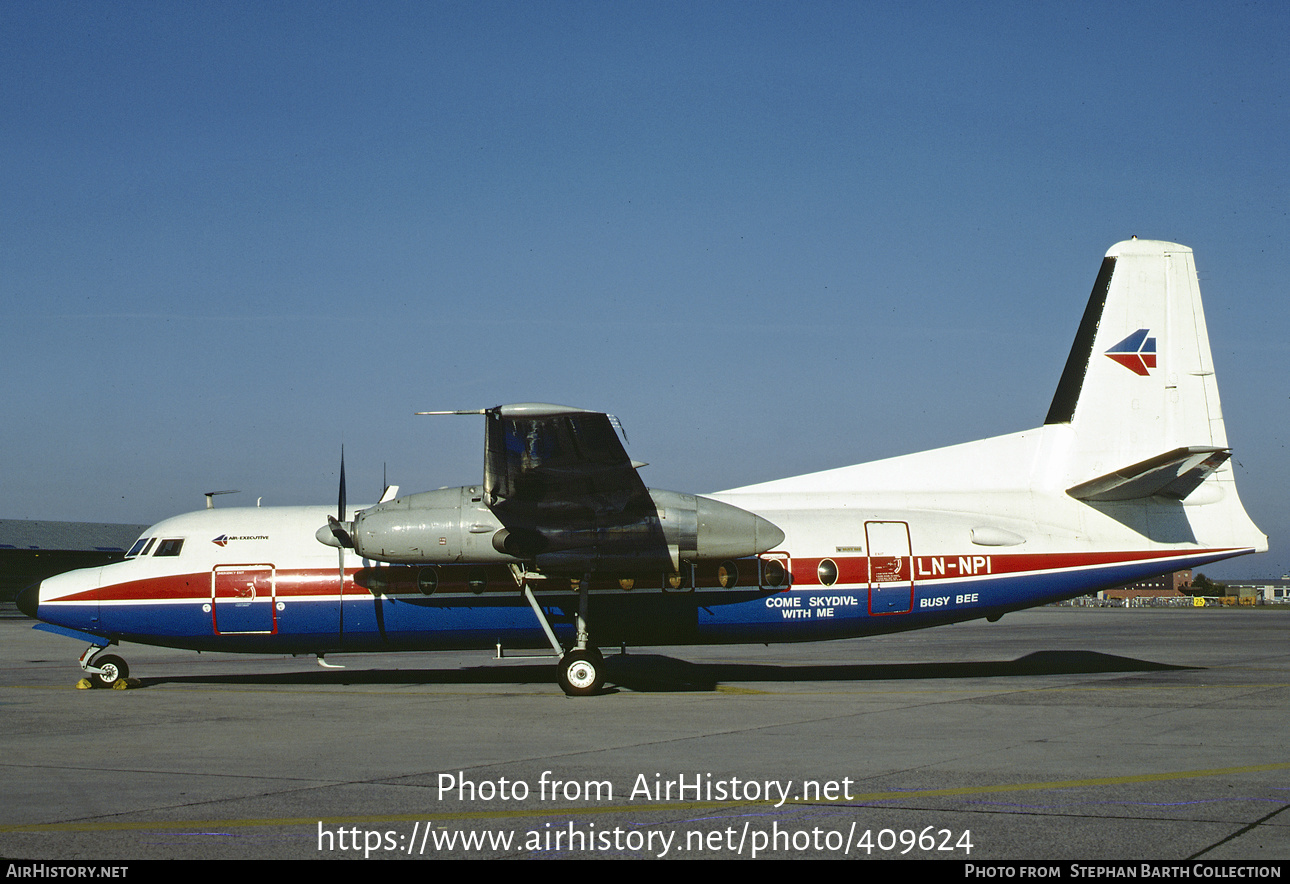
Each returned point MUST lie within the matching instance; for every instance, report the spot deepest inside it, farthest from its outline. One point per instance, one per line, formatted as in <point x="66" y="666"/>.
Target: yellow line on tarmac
<point x="161" y="825"/>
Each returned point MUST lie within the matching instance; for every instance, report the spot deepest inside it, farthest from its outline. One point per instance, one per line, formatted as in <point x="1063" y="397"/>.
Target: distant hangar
<point x="30" y="550"/>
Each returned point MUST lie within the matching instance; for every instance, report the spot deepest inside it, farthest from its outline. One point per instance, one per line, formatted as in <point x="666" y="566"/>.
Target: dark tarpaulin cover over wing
<point x="572" y="458"/>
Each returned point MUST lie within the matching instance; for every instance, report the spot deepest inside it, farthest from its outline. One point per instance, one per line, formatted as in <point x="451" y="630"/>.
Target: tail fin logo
<point x="1137" y="352"/>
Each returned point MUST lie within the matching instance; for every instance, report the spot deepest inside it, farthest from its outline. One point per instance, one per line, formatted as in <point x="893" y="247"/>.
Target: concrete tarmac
<point x="1055" y="734"/>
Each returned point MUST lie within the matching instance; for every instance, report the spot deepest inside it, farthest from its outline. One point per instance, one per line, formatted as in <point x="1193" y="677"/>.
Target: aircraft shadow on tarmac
<point x="653" y="673"/>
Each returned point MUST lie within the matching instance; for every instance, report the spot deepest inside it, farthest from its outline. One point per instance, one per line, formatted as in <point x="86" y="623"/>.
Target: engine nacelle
<point x="433" y="527"/>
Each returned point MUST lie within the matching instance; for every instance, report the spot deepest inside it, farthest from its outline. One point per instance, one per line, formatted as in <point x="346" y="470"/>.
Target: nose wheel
<point x="104" y="670"/>
<point x="107" y="670"/>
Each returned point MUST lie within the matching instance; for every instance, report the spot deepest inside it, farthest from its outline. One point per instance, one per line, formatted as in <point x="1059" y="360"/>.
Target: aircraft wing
<point x="553" y="457"/>
<point x="568" y="500"/>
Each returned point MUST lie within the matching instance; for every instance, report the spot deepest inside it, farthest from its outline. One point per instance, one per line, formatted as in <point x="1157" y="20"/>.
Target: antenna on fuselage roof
<point x="210" y="497"/>
<point x="389" y="491"/>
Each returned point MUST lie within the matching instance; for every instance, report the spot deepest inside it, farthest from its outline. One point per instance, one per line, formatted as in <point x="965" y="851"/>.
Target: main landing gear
<point x="581" y="671"/>
<point x="104" y="670"/>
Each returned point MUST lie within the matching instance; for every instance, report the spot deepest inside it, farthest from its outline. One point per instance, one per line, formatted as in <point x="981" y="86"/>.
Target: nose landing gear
<point x="104" y="670"/>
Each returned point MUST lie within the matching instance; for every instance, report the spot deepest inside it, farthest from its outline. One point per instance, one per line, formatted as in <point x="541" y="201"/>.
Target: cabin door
<point x="891" y="568"/>
<point x="243" y="599"/>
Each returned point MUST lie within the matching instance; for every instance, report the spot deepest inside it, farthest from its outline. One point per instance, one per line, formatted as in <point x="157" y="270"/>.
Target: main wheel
<point x="114" y="669"/>
<point x="582" y="672"/>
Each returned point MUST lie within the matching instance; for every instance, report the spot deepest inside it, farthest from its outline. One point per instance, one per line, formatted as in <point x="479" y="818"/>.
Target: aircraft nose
<point x="28" y="600"/>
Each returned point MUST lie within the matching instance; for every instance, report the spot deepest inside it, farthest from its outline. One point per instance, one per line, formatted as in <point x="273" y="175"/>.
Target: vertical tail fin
<point x="1139" y="396"/>
<point x="1139" y="382"/>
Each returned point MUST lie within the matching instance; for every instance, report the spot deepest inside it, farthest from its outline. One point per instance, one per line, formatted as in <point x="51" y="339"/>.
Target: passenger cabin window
<point x="169" y="548"/>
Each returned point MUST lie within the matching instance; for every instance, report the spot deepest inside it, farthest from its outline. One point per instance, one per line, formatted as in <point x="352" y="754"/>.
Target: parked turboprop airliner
<point x="561" y="545"/>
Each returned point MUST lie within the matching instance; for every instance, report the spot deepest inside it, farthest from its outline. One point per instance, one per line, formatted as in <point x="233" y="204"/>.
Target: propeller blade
<point x="338" y="530"/>
<point x="340" y="505"/>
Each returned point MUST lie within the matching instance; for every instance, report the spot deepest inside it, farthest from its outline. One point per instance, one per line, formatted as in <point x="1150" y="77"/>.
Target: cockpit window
<point x="141" y="547"/>
<point x="169" y="548"/>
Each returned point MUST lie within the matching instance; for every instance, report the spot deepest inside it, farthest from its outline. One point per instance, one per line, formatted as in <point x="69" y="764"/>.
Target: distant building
<point x="30" y="551"/>
<point x="1173" y="585"/>
<point x="1265" y="591"/>
<point x="1268" y="590"/>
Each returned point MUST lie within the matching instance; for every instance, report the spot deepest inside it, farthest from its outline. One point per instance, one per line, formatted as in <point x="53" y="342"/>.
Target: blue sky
<point x="772" y="238"/>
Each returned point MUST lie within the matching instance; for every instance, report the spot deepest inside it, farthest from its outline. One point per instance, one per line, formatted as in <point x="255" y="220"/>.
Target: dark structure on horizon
<point x="30" y="550"/>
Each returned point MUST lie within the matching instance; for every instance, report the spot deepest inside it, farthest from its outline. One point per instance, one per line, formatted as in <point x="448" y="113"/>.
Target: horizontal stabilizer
<point x="1174" y="474"/>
